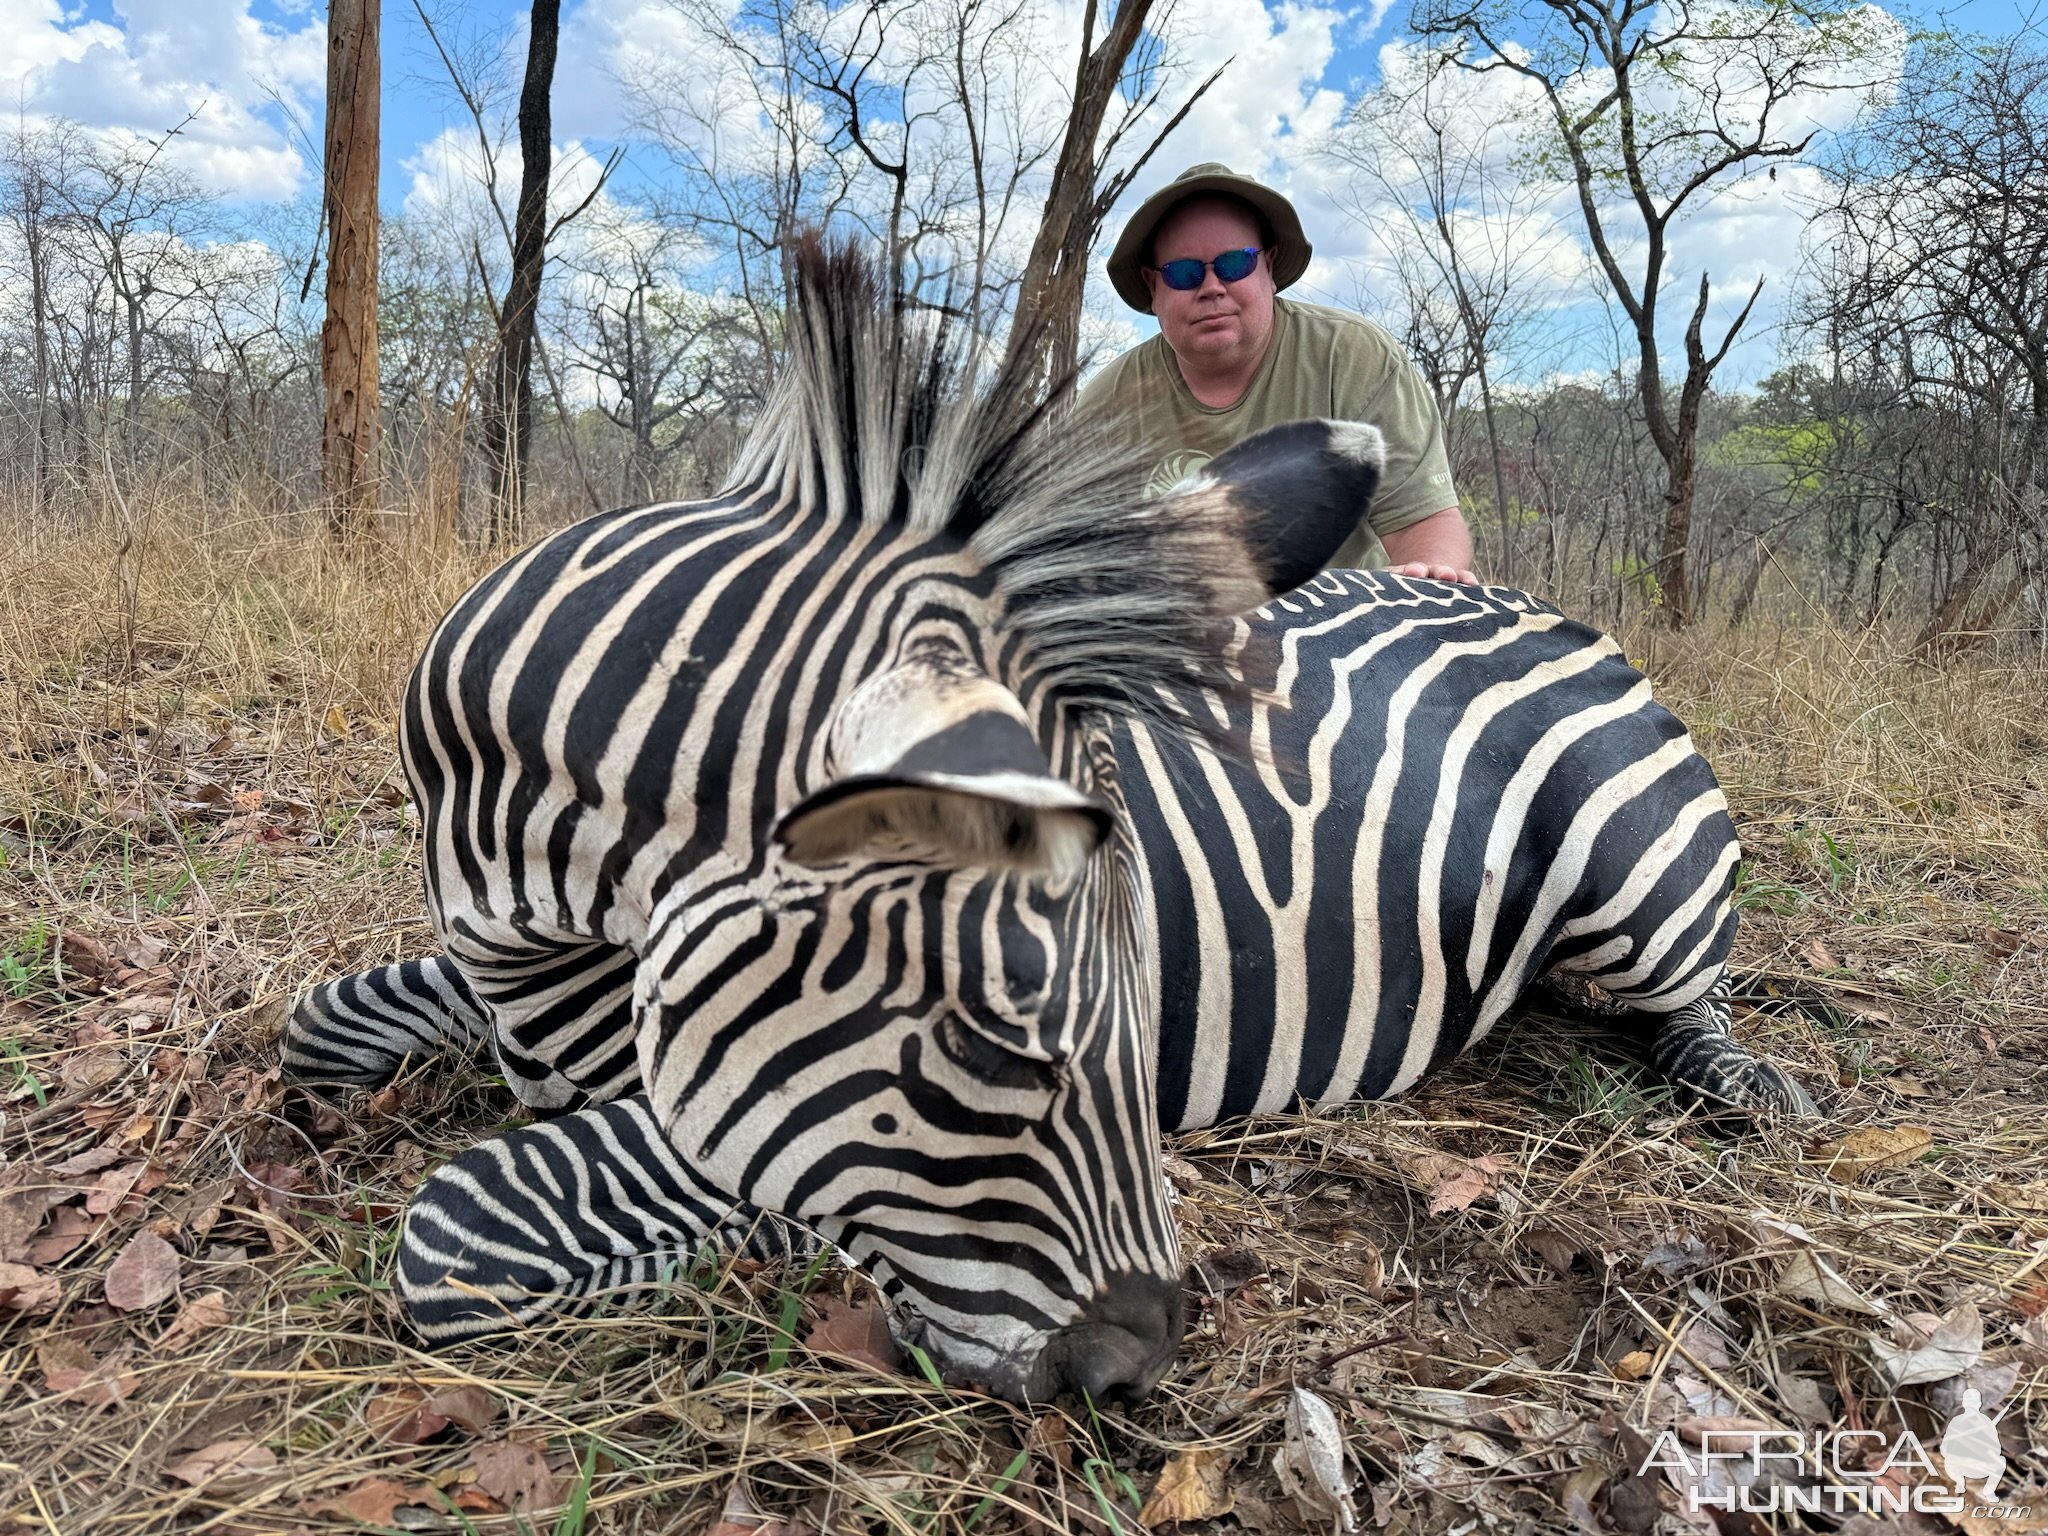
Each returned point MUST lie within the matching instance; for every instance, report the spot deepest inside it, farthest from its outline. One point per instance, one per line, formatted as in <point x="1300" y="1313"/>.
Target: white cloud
<point x="164" y="60"/>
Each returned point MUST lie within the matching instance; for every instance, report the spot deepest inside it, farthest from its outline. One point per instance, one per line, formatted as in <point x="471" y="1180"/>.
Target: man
<point x="1208" y="254"/>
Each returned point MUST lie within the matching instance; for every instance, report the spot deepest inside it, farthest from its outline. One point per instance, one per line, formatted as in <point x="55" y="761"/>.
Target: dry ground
<point x="1504" y="1287"/>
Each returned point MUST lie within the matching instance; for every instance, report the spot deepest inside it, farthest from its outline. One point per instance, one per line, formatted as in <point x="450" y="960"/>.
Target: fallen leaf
<point x="471" y="1408"/>
<point x="1552" y="1246"/>
<point x="2031" y="1197"/>
<point x="86" y="956"/>
<point x="27" y="1191"/>
<point x="23" y="1289"/>
<point x="91" y="1070"/>
<point x="1578" y="1494"/>
<point x="1805" y="1400"/>
<point x="373" y="1501"/>
<point x="1877" y="1146"/>
<point x="68" y="1226"/>
<point x="515" y="1472"/>
<point x="1930" y="1348"/>
<point x="1310" y="1463"/>
<point x="856" y="1333"/>
<point x="335" y="722"/>
<point x="1821" y="957"/>
<point x="71" y="1372"/>
<point x="1228" y="1269"/>
<point x="1809" y="1277"/>
<point x="1634" y="1365"/>
<point x="198" y="1317"/>
<point x="403" y="1415"/>
<point x="90" y="1161"/>
<point x="144" y="1274"/>
<point x="1193" y="1485"/>
<point x="1462" y="1185"/>
<point x="225" y="1464"/>
<point x="113" y="1187"/>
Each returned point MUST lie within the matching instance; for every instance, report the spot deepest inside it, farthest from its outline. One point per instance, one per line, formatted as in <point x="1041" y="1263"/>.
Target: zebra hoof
<point x="1754" y="1088"/>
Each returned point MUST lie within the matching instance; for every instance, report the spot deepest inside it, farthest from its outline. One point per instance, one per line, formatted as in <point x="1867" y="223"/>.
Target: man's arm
<point x="1439" y="548"/>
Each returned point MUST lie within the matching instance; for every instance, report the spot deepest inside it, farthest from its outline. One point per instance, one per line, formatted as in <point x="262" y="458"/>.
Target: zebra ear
<point x="935" y="757"/>
<point x="1298" y="492"/>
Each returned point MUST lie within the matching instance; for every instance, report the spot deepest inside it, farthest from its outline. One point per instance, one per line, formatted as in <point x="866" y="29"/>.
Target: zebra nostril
<point x="1125" y="1343"/>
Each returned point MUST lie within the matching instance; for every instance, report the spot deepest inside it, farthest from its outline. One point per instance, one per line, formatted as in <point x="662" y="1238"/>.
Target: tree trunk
<point x="1046" y="333"/>
<point x="508" y="423"/>
<point x="348" y="337"/>
<point x="39" y="298"/>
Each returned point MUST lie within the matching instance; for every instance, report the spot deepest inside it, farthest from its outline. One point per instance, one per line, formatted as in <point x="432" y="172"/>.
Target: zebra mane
<point x="883" y="415"/>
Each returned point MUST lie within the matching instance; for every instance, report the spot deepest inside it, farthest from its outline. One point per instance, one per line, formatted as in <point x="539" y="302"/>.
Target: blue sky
<point x="141" y="64"/>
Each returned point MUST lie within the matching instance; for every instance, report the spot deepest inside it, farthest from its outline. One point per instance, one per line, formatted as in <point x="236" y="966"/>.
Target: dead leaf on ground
<point x="145" y="1273"/>
<point x="23" y="1289"/>
<point x="470" y="1408"/>
<point x="114" y="1186"/>
<point x="1455" y="1182"/>
<point x="742" y="1517"/>
<point x="1634" y="1365"/>
<point x="1228" y="1269"/>
<point x="197" y="1318"/>
<point x="67" y="1227"/>
<point x="1193" y="1485"/>
<point x="1929" y="1348"/>
<point x="71" y="1372"/>
<point x="404" y="1415"/>
<point x="1310" y="1464"/>
<point x="226" y="1464"/>
<point x="516" y="1473"/>
<point x="857" y="1333"/>
<point x="27" y="1191"/>
<point x="1579" y="1494"/>
<point x="1876" y="1146"/>
<point x="373" y="1501"/>
<point x="1810" y="1278"/>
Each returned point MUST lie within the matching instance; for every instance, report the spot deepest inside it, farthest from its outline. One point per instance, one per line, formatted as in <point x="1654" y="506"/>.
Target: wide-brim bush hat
<point x="1290" y="249"/>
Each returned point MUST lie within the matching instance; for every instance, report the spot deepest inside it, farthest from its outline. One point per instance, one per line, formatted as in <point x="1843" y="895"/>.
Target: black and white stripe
<point x="895" y="842"/>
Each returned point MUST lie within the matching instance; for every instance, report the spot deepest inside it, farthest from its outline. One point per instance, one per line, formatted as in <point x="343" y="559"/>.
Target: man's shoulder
<point x="1329" y="326"/>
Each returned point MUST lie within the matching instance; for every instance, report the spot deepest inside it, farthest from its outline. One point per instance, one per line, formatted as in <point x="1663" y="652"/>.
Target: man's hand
<point x="1439" y="548"/>
<point x="1433" y="572"/>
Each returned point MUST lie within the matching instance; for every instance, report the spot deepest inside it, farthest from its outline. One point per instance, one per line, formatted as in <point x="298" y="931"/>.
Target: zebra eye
<point x="990" y="1060"/>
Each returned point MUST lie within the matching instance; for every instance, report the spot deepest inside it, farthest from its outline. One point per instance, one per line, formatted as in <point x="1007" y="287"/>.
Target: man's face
<point x="1218" y="325"/>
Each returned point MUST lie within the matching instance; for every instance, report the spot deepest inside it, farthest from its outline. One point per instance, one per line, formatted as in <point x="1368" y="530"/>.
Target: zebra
<point x="885" y="852"/>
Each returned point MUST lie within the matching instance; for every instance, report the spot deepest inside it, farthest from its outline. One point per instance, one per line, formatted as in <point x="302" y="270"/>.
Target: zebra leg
<point x="1695" y="1048"/>
<point x="564" y="1020"/>
<point x="540" y="1219"/>
<point x="359" y="1030"/>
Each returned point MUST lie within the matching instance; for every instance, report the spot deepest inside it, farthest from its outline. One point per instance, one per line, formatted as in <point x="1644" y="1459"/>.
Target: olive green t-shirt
<point x="1321" y="363"/>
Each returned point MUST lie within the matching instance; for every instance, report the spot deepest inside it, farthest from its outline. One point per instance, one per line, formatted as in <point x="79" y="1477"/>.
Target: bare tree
<point x="39" y="175"/>
<point x="1656" y="108"/>
<point x="1126" y="64"/>
<point x="1934" y="286"/>
<point x="508" y="407"/>
<point x="348" y="340"/>
<point x="1434" y="181"/>
<point x="665" y="360"/>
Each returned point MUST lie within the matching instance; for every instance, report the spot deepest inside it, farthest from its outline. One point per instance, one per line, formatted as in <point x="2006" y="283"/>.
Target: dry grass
<point x="197" y="814"/>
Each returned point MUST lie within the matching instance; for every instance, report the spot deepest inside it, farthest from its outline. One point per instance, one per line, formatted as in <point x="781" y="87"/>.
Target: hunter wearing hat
<point x="1208" y="255"/>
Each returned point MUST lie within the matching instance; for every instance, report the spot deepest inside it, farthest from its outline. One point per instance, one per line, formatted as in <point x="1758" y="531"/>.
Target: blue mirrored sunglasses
<point x="1185" y="275"/>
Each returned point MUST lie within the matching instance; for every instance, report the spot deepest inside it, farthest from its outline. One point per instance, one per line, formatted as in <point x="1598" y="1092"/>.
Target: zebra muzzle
<point x="1120" y="1348"/>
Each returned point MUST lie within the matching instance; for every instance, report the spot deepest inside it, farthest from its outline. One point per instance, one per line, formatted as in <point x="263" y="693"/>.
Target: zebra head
<point x="918" y="1015"/>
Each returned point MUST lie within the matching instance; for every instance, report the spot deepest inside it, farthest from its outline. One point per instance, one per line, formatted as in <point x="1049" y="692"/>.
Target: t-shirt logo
<point x="1174" y="468"/>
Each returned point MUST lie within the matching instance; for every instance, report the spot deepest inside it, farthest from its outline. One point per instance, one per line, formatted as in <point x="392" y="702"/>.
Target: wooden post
<point x="348" y="338"/>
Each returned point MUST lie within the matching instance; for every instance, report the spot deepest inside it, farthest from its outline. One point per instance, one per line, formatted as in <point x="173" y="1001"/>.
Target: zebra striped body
<point x="892" y="844"/>
<point x="1446" y="793"/>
